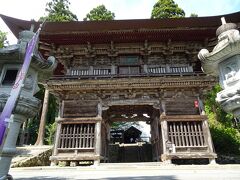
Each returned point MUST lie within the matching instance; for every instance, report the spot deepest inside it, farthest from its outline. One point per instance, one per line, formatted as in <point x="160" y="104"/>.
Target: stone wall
<point x="41" y="159"/>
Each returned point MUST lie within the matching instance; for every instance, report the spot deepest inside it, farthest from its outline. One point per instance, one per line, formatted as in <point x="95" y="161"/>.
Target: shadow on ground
<point x="110" y="178"/>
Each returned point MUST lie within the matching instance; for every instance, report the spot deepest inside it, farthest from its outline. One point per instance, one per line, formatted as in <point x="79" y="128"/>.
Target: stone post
<point x="9" y="148"/>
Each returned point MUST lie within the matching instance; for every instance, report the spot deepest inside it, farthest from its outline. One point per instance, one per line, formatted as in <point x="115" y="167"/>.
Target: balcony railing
<point x="107" y="76"/>
<point x="120" y="72"/>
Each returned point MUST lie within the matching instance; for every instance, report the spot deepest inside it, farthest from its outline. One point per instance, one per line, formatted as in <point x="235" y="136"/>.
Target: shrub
<point x="226" y="140"/>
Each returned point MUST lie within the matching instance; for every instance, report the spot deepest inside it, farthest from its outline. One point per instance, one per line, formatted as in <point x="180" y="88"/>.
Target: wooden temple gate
<point x="112" y="68"/>
<point x="179" y="128"/>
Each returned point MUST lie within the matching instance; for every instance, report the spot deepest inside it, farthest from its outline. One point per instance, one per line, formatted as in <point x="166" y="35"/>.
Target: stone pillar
<point x="9" y="148"/>
<point x="97" y="142"/>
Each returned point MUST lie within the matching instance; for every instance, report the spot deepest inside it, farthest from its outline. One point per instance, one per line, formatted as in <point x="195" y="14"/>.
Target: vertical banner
<point x="16" y="89"/>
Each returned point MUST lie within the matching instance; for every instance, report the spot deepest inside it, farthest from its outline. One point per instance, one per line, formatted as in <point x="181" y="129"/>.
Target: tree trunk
<point x="41" y="131"/>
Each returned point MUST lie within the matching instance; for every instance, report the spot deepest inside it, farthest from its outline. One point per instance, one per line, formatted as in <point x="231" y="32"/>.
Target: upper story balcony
<point x="113" y="71"/>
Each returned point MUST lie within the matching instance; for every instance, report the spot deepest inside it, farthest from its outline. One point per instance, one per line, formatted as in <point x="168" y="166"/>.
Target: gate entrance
<point x="129" y="141"/>
<point x="177" y="131"/>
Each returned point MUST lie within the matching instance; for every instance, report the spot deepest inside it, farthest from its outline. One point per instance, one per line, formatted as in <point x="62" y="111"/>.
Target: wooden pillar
<point x="164" y="129"/>
<point x="113" y="71"/>
<point x="157" y="137"/>
<point x="41" y="131"/>
<point x="208" y="138"/>
<point x="99" y="110"/>
<point x="97" y="142"/>
<point x="56" y="142"/>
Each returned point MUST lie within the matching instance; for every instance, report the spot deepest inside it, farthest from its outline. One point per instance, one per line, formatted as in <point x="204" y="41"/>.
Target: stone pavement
<point x="126" y="171"/>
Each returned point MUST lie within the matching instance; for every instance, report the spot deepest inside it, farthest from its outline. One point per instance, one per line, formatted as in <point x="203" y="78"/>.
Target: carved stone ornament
<point x="26" y="106"/>
<point x="224" y="61"/>
<point x="28" y="84"/>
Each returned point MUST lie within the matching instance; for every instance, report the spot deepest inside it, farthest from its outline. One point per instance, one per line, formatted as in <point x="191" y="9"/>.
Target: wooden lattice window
<point x="182" y="69"/>
<point x="101" y="71"/>
<point x="77" y="136"/>
<point x="79" y="72"/>
<point x="157" y="70"/>
<point x="186" y="134"/>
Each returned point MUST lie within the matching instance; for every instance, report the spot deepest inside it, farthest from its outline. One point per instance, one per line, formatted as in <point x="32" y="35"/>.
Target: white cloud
<point x="123" y="9"/>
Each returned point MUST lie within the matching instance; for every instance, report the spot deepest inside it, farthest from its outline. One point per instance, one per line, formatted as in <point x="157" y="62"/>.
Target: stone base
<point x="171" y="156"/>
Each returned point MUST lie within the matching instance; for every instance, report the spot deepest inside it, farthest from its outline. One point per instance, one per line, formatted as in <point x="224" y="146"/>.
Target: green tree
<point x="3" y="38"/>
<point x="226" y="138"/>
<point x="58" y="11"/>
<point x="99" y="13"/>
<point x="193" y="15"/>
<point x="167" y="9"/>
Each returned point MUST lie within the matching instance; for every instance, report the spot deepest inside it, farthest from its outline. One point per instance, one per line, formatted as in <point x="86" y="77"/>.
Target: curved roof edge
<point x="18" y="25"/>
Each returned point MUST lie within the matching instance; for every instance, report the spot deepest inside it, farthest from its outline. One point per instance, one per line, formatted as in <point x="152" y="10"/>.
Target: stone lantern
<point x="11" y="60"/>
<point x="224" y="62"/>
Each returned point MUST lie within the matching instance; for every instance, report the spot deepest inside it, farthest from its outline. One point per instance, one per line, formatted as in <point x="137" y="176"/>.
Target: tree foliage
<point x="167" y="9"/>
<point x="50" y="119"/>
<point x="3" y="38"/>
<point x="193" y="15"/>
<point x="58" y="11"/>
<point x="99" y="13"/>
<point x="226" y="138"/>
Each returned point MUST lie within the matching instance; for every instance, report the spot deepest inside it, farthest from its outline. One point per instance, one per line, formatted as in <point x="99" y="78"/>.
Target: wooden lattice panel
<point x="77" y="136"/>
<point x="186" y="134"/>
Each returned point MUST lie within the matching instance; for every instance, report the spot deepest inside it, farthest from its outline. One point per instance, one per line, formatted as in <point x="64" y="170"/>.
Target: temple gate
<point x="109" y="71"/>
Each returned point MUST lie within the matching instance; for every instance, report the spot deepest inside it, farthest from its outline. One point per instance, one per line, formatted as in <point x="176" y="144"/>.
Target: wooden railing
<point x="77" y="136"/>
<point x="186" y="134"/>
<point x="61" y="77"/>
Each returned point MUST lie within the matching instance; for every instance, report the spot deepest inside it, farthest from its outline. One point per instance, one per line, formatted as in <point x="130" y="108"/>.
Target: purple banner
<point x="16" y="89"/>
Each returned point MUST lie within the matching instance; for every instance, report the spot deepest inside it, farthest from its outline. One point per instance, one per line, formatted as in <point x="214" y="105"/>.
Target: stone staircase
<point x="28" y="156"/>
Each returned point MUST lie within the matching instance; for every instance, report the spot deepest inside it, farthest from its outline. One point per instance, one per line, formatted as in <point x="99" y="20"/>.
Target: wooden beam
<point x="183" y="117"/>
<point x="122" y="119"/>
<point x="41" y="130"/>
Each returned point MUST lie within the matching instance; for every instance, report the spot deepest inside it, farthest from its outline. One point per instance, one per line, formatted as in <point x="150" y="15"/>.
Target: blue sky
<point x="123" y="9"/>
